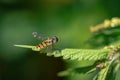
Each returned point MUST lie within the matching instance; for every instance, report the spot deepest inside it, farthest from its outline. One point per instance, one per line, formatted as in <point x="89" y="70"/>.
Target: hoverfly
<point x="46" y="43"/>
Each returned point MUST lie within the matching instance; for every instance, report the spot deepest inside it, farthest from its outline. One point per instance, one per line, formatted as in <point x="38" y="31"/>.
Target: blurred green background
<point x="67" y="19"/>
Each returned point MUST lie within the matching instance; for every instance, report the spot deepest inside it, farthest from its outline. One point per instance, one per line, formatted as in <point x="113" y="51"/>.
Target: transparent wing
<point x="39" y="36"/>
<point x="34" y="34"/>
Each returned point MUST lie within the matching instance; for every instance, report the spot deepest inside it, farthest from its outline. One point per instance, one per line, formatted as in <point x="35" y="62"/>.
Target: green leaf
<point x="116" y="43"/>
<point x="66" y="72"/>
<point x="24" y="46"/>
<point x="75" y="54"/>
<point x="103" y="73"/>
<point x="83" y="54"/>
<point x="117" y="69"/>
<point x="28" y="46"/>
<point x="75" y="71"/>
<point x="79" y="70"/>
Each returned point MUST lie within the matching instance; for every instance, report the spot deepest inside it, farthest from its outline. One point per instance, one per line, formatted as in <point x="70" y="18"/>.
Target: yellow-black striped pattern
<point x="47" y="43"/>
<point x="44" y="44"/>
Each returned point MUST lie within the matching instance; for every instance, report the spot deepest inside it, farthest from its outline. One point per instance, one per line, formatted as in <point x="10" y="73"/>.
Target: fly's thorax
<point x="48" y="42"/>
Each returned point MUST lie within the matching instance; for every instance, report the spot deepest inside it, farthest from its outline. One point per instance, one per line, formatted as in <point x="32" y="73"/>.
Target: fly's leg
<point x="50" y="50"/>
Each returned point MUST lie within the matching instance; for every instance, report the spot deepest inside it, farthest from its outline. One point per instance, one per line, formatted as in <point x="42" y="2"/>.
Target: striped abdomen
<point x="44" y="44"/>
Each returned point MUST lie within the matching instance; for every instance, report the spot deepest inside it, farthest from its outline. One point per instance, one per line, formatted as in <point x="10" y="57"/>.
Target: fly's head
<point x="55" y="39"/>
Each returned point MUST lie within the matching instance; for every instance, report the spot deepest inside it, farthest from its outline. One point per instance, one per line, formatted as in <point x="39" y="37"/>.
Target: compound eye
<point x="55" y="39"/>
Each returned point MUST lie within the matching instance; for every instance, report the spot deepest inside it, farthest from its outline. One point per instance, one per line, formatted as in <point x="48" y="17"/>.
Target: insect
<point x="48" y="42"/>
